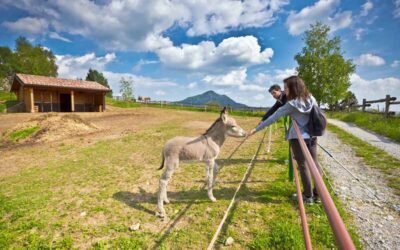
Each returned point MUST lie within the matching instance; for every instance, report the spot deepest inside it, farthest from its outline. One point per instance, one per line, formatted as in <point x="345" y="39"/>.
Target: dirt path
<point x="376" y="220"/>
<point x="374" y="139"/>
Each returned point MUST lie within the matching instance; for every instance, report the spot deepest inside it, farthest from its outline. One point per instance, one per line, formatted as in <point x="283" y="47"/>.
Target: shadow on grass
<point x="192" y="197"/>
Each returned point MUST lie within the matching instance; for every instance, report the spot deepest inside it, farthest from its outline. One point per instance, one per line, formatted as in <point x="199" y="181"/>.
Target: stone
<point x="229" y="241"/>
<point x="134" y="227"/>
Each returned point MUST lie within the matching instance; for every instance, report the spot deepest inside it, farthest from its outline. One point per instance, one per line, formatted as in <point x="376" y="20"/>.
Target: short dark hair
<point x="274" y="87"/>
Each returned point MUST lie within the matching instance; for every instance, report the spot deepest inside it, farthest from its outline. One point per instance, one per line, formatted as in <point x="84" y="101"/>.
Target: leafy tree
<point x="322" y="66"/>
<point x="126" y="88"/>
<point x="96" y="76"/>
<point x="350" y="99"/>
<point x="34" y="60"/>
<point x="6" y="61"/>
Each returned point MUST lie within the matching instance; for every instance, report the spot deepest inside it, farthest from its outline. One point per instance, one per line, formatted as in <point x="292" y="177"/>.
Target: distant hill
<point x="211" y="97"/>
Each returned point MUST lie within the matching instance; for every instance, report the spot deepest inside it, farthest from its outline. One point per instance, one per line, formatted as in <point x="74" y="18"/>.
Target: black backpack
<point x="317" y="122"/>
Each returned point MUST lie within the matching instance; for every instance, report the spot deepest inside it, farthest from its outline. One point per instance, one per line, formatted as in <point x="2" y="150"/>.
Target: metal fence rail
<point x="343" y="238"/>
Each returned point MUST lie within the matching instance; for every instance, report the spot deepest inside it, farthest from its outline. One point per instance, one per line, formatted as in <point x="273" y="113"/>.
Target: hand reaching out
<point x="252" y="132"/>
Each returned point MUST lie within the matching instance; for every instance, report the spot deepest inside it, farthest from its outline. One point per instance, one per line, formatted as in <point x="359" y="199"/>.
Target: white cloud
<point x="380" y="86"/>
<point x="192" y="85"/>
<point x="358" y="33"/>
<point x="395" y="64"/>
<point x="30" y="25"/>
<point x="212" y="17"/>
<point x="144" y="86"/>
<point x="262" y="79"/>
<point x="251" y="87"/>
<point x="160" y="93"/>
<point x="140" y="25"/>
<point x="366" y="7"/>
<point x="324" y="11"/>
<point x="77" y="66"/>
<point x="280" y="74"/>
<point x="142" y="63"/>
<point x="259" y="97"/>
<point x="370" y="60"/>
<point x="232" y="52"/>
<point x="233" y="78"/>
<point x="236" y="79"/>
<point x="396" y="11"/>
<point x="55" y="35"/>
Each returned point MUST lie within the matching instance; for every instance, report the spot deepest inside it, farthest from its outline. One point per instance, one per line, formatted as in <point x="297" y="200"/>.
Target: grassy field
<point x="85" y="193"/>
<point x="389" y="127"/>
<point x="129" y="104"/>
<point x="372" y="156"/>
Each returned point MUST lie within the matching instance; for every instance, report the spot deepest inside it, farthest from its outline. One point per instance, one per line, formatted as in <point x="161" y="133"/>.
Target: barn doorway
<point x="65" y="102"/>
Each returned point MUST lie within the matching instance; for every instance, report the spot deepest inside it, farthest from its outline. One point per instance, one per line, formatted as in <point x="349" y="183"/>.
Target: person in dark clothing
<point x="280" y="96"/>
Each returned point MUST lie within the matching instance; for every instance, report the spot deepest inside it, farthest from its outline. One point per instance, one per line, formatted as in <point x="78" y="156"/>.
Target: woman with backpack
<point x="299" y="106"/>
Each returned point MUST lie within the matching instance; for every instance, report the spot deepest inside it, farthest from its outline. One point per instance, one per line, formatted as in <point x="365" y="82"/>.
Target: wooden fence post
<point x="387" y="104"/>
<point x="364" y="104"/>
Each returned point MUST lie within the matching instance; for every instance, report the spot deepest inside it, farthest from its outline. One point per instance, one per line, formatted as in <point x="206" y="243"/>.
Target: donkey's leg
<point x="174" y="165"/>
<point x="210" y="174"/>
<point x="215" y="172"/>
<point x="170" y="167"/>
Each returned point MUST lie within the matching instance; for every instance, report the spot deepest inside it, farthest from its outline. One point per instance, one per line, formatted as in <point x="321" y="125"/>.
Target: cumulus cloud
<point x="70" y="66"/>
<point x="232" y="78"/>
<point x="29" y="25"/>
<point x="281" y="74"/>
<point x="324" y="11"/>
<point x="232" y="52"/>
<point x="395" y="64"/>
<point x="381" y="87"/>
<point x="140" y="25"/>
<point x="369" y="60"/>
<point x="212" y="17"/>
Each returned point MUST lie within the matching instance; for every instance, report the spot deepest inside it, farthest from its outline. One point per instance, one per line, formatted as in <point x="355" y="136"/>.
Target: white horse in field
<point x="203" y="148"/>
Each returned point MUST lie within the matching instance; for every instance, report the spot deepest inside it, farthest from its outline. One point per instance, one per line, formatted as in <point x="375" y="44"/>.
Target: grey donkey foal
<point x="203" y="148"/>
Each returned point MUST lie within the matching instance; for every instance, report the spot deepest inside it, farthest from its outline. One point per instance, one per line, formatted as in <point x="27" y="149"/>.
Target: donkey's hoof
<point x="213" y="199"/>
<point x="160" y="215"/>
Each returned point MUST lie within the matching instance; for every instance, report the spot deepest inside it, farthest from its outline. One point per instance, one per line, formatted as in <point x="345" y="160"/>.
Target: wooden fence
<point x="388" y="100"/>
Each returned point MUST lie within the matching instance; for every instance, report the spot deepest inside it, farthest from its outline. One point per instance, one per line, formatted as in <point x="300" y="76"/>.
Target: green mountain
<point x="211" y="97"/>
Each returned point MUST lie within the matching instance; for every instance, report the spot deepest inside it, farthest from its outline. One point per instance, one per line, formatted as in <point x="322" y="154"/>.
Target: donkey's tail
<point x="162" y="163"/>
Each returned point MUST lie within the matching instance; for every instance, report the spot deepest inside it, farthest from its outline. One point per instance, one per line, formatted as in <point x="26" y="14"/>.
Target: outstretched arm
<point x="286" y="109"/>
<point x="271" y="111"/>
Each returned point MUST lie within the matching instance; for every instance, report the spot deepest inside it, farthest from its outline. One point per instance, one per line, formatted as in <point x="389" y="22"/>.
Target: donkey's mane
<point x="209" y="129"/>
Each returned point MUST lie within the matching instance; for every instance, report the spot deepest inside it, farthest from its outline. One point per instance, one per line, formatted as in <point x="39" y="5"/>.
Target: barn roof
<point x="54" y="82"/>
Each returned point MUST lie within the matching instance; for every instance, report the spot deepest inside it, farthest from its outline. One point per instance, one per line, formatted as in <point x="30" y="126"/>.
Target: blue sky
<point x="174" y="49"/>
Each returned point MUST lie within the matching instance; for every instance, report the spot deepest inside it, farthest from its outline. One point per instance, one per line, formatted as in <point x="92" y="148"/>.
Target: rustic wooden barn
<point x="51" y="94"/>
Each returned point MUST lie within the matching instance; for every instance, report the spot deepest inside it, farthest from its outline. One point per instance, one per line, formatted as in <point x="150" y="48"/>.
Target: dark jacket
<point x="279" y="103"/>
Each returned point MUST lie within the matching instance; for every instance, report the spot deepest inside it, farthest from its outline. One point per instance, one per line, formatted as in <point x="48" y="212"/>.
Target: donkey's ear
<point x="224" y="115"/>
<point x="224" y="110"/>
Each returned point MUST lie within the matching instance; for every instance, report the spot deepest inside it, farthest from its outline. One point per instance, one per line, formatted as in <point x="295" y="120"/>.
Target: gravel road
<point x="374" y="139"/>
<point x="377" y="219"/>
